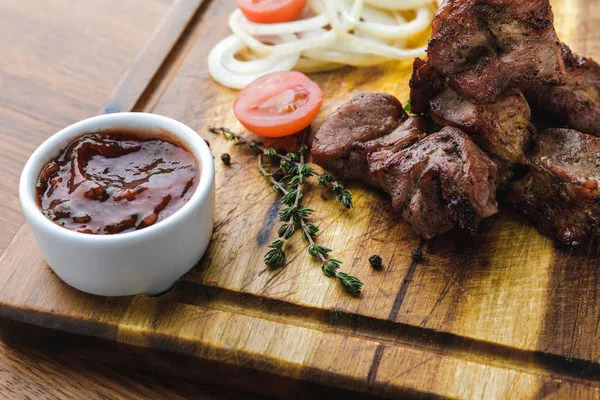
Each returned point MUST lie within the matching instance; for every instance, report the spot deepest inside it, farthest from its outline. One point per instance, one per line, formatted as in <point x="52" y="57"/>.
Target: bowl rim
<point x="137" y="120"/>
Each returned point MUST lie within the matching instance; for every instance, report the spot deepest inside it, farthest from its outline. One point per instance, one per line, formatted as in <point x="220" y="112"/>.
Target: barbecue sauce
<point x="114" y="182"/>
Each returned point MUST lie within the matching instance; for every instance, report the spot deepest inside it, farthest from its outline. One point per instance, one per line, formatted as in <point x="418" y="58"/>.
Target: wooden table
<point x="483" y="334"/>
<point x="61" y="60"/>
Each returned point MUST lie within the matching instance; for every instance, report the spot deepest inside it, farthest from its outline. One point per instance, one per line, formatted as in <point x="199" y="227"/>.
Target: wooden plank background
<point x="506" y="309"/>
<point x="61" y="59"/>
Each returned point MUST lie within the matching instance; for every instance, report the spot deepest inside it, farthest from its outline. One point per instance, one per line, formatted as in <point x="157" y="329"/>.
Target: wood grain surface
<point x="61" y="59"/>
<point x="30" y="373"/>
<point x="503" y="313"/>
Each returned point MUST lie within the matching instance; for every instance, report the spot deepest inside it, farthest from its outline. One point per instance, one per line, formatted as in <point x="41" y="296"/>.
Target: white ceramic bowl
<point x="146" y="261"/>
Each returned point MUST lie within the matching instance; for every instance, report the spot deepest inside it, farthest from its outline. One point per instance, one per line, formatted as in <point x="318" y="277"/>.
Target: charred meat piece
<point x="425" y="83"/>
<point x="502" y="128"/>
<point x="436" y="182"/>
<point x="560" y="194"/>
<point x="440" y="182"/>
<point x="577" y="103"/>
<point x="365" y="123"/>
<point x="483" y="47"/>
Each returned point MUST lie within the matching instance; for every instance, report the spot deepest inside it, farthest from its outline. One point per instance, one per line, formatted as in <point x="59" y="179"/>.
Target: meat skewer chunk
<point x="436" y="182"/>
<point x="440" y="182"/>
<point x="365" y="123"/>
<point x="577" y="103"/>
<point x="502" y="128"/>
<point x="560" y="194"/>
<point x="483" y="47"/>
<point x="425" y="83"/>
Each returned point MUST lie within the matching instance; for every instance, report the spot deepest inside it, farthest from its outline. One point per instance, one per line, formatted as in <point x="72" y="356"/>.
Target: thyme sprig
<point x="295" y="214"/>
<point x="276" y="256"/>
<point x="291" y="163"/>
<point x="330" y="266"/>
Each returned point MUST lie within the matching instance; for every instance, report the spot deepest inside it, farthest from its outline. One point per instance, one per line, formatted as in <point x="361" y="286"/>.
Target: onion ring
<point x="329" y="35"/>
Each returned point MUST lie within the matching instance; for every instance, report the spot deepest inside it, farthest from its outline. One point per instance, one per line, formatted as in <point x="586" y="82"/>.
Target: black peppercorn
<point x="282" y="152"/>
<point x="417" y="255"/>
<point x="376" y="262"/>
<point x="226" y="158"/>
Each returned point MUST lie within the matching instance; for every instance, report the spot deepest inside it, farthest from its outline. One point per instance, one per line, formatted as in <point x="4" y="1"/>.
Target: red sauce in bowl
<point x="113" y="182"/>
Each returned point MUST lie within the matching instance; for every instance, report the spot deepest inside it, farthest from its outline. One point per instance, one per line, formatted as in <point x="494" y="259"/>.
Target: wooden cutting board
<point x="504" y="313"/>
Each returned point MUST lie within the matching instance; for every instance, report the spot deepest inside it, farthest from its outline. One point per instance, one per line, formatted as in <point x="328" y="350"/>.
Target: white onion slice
<point x="328" y="35"/>
<point x="404" y="5"/>
<point x="371" y="14"/>
<point x="384" y="50"/>
<point x="353" y="59"/>
<point x="255" y="66"/>
<point x="238" y="79"/>
<point x="284" y="48"/>
<point x="420" y="23"/>
<point x="252" y="28"/>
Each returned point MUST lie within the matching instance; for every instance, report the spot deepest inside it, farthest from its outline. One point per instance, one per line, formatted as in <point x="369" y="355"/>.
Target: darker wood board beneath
<point x="503" y="313"/>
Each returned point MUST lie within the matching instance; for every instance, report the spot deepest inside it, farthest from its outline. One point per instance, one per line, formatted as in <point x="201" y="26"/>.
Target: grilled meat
<point x="577" y="103"/>
<point x="366" y="123"/>
<point x="502" y="127"/>
<point x="436" y="182"/>
<point x="425" y="83"/>
<point x="443" y="181"/>
<point x="560" y="194"/>
<point x="483" y="55"/>
<point x="483" y="47"/>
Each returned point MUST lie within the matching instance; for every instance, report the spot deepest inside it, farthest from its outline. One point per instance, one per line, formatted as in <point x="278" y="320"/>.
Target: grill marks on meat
<point x="560" y="194"/>
<point x="483" y="47"/>
<point x="435" y="182"/>
<point x="369" y="122"/>
<point x="442" y="181"/>
<point x="481" y="55"/>
<point x="425" y="83"/>
<point x="577" y="103"/>
<point x="502" y="127"/>
<point x="342" y="142"/>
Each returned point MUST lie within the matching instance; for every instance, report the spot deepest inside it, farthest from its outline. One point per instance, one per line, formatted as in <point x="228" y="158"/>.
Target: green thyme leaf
<point x="289" y="198"/>
<point x="324" y="179"/>
<point x="286" y="231"/>
<point x="314" y="250"/>
<point x="275" y="258"/>
<point x="307" y="171"/>
<point x="293" y="157"/>
<point x="304" y="212"/>
<point x="278" y="244"/>
<point x="286" y="214"/>
<point x="312" y="229"/>
<point x="330" y="267"/>
<point x="351" y="284"/>
<point x="271" y="153"/>
<point x="343" y="196"/>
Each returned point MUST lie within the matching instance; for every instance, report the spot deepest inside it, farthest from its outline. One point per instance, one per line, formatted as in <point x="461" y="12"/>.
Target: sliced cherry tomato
<point x="278" y="104"/>
<point x="271" y="11"/>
